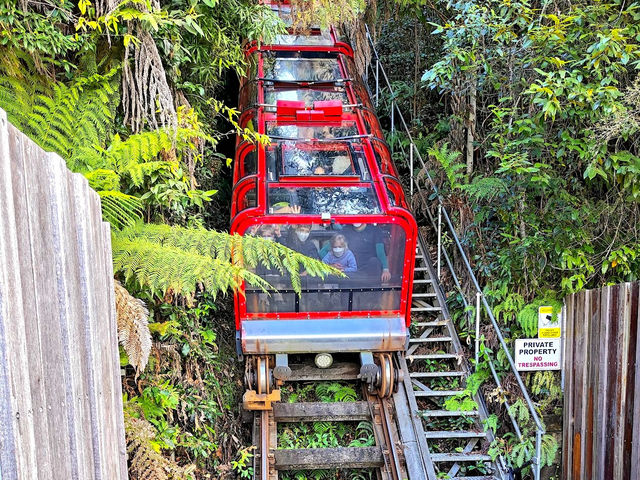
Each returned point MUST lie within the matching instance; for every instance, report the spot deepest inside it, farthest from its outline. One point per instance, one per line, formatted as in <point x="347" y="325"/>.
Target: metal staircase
<point x="436" y="363"/>
<point x="457" y="440"/>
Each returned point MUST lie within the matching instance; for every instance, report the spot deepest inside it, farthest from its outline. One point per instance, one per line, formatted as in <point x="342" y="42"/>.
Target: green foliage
<point x="527" y="318"/>
<point x="335" y="392"/>
<point x="180" y="261"/>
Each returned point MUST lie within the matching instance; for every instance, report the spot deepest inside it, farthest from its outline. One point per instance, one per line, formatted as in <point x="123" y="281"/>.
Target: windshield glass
<point x="307" y="95"/>
<point x="319" y="200"/>
<point x="371" y="256"/>
<point x="301" y="69"/>
<point x="344" y="129"/>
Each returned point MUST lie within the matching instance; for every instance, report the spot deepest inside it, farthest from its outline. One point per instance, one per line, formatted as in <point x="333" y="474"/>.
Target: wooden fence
<point x="60" y="393"/>
<point x="601" y="432"/>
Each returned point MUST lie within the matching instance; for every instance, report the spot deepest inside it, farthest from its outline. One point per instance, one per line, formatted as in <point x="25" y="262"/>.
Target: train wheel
<point x="262" y="376"/>
<point x="387" y="378"/>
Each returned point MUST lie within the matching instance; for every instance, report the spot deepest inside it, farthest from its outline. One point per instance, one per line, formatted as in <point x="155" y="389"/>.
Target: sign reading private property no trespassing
<point x="537" y="354"/>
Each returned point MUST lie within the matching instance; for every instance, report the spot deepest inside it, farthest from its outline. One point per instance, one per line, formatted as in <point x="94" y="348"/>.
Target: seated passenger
<point x="298" y="240"/>
<point x="340" y="256"/>
<point x="367" y="244"/>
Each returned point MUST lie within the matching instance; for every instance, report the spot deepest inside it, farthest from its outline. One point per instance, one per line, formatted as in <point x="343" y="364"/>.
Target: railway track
<point x="399" y="450"/>
<point x="416" y="437"/>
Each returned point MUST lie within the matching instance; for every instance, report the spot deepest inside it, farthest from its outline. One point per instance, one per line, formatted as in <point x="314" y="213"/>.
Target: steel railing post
<point x="478" y="295"/>
<point x="439" y="239"/>
<point x="377" y="82"/>
<point x="393" y="122"/>
<point x="411" y="167"/>
<point x="536" y="460"/>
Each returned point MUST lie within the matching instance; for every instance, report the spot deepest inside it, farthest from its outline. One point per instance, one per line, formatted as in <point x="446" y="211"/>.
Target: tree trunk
<point x="471" y="128"/>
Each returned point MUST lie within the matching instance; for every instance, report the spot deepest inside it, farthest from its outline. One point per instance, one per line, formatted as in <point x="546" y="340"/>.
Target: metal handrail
<point x="481" y="299"/>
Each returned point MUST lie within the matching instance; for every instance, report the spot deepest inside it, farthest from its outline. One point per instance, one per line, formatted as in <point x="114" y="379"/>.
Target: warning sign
<point x="548" y="326"/>
<point x="537" y="354"/>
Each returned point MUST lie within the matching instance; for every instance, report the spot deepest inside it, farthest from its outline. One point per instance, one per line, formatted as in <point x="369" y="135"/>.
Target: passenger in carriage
<point x="367" y="243"/>
<point x="298" y="240"/>
<point x="340" y="256"/>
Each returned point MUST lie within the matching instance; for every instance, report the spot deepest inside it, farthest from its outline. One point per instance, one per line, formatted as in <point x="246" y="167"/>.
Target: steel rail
<point x="443" y="211"/>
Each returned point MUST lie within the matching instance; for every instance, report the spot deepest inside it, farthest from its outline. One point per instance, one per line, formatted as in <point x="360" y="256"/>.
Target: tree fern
<point x="133" y="327"/>
<point x="119" y="209"/>
<point x="485" y="188"/>
<point x="145" y="462"/>
<point x="180" y="260"/>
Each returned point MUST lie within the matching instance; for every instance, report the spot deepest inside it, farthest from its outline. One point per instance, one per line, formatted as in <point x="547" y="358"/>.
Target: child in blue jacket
<point x="340" y="256"/>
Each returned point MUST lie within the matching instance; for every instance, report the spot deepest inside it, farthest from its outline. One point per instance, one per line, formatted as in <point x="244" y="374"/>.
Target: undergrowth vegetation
<point x="527" y="115"/>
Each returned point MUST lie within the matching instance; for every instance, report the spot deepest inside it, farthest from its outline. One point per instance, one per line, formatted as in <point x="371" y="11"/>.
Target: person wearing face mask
<point x="367" y="244"/>
<point x="298" y="240"/>
<point x="340" y="256"/>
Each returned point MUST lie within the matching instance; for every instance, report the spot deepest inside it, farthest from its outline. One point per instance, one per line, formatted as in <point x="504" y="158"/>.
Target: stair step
<point x="433" y="356"/>
<point x="438" y="323"/>
<point x="422" y="280"/>
<point x="437" y="393"/>
<point x="424" y="295"/>
<point x="455" y="434"/>
<point x="425" y="309"/>
<point x="421" y="269"/>
<point x="459" y="457"/>
<point x="448" y="413"/>
<point x="483" y="477"/>
<point x="429" y="339"/>
<point x="435" y="374"/>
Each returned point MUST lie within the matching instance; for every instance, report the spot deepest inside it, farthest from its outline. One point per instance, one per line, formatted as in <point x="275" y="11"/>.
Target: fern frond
<point x="180" y="260"/>
<point x="485" y="188"/>
<point x="145" y="462"/>
<point x="167" y="269"/>
<point x="243" y="251"/>
<point x="119" y="209"/>
<point x="133" y="327"/>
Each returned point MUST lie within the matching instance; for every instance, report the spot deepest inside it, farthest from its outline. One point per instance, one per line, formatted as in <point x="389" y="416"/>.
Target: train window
<point x="318" y="200"/>
<point x="248" y="97"/>
<point x="323" y="38"/>
<point x="247" y="162"/>
<point x="371" y="123"/>
<point x="307" y="95"/>
<point x="395" y="192"/>
<point x="344" y="129"/>
<point x="245" y="195"/>
<point x="383" y="158"/>
<point x="371" y="257"/>
<point x="294" y="159"/>
<point x="301" y="69"/>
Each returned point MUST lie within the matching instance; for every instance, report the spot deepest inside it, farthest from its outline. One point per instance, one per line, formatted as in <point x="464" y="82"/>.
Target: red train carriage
<point x="326" y="187"/>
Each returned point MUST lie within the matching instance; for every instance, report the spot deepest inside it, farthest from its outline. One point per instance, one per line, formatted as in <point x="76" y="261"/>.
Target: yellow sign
<point x="548" y="327"/>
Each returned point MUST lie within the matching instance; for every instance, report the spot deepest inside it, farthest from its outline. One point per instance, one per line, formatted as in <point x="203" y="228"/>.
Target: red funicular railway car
<point x="326" y="187"/>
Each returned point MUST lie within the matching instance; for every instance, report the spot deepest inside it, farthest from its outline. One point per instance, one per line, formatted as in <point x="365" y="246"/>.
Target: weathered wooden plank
<point x="310" y="373"/>
<point x="568" y="360"/>
<point x="630" y="393"/>
<point x="24" y="294"/>
<point x="321" y="412"/>
<point x="60" y="392"/>
<point x="634" y="470"/>
<point x="328" y="458"/>
<point x="18" y="453"/>
<point x="79" y="355"/>
<point x="50" y="296"/>
<point x="602" y="415"/>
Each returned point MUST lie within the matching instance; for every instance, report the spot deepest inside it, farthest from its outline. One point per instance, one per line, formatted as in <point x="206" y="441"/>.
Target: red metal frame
<point x="382" y="181"/>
